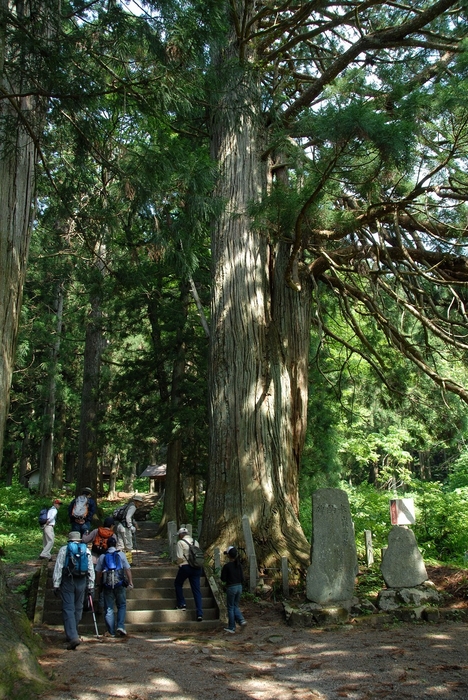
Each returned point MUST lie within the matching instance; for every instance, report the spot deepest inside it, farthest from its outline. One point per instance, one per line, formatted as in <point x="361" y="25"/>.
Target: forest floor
<point x="269" y="660"/>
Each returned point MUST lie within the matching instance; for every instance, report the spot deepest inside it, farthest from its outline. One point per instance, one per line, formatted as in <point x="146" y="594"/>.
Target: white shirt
<point x="182" y="552"/>
<point x="51" y="515"/>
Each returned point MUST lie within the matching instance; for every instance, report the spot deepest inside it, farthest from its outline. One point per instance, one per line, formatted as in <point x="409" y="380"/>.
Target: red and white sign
<point x="402" y="511"/>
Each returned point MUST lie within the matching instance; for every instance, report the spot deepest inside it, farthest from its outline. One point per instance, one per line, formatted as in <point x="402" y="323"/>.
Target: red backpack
<point x="99" y="545"/>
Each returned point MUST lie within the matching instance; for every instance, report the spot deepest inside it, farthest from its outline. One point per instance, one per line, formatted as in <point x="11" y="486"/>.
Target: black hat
<point x="111" y="541"/>
<point x="109" y="521"/>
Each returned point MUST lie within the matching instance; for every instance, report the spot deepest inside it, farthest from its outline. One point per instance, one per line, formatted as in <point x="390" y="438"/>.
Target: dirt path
<point x="268" y="661"/>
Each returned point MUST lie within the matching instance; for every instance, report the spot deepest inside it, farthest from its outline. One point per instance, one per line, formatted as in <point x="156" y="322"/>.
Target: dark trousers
<point x="72" y="589"/>
<point x="193" y="575"/>
<point x="80" y="527"/>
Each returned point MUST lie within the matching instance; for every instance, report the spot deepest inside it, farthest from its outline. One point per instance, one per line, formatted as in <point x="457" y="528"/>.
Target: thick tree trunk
<point x="17" y="184"/>
<point x="259" y="351"/>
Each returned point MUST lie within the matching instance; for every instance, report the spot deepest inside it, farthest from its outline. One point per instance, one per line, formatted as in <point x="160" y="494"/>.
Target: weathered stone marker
<point x="369" y="547"/>
<point x="403" y="565"/>
<point x="172" y="538"/>
<point x="217" y="560"/>
<point x="331" y="575"/>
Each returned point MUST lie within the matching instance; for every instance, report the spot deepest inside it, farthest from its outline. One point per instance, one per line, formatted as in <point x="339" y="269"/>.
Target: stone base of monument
<point x="315" y="615"/>
<point x="391" y="599"/>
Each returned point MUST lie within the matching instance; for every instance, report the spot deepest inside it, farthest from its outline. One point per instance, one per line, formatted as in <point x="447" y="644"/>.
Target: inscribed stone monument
<point x="403" y="565"/>
<point x="331" y="575"/>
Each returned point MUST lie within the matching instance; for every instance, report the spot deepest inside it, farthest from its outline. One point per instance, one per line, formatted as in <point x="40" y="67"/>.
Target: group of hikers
<point x="106" y="566"/>
<point x="80" y="570"/>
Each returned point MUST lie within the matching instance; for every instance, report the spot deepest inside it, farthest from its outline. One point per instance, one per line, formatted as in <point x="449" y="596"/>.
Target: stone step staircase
<point x="151" y="603"/>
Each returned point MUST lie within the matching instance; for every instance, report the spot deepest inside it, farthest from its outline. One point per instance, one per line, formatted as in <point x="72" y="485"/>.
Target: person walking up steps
<point x="81" y="511"/>
<point x="192" y="573"/>
<point x="126" y="526"/>
<point x="48" y="531"/>
<point x="233" y="578"/>
<point x="73" y="575"/>
<point x="113" y="571"/>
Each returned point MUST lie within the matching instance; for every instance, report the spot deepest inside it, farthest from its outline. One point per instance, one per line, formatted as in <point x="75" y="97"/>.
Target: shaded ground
<point x="269" y="660"/>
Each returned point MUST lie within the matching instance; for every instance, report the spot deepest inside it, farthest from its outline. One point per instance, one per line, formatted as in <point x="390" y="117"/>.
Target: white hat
<point x="137" y="497"/>
<point x="232" y="549"/>
<point x="183" y="531"/>
<point x="74" y="536"/>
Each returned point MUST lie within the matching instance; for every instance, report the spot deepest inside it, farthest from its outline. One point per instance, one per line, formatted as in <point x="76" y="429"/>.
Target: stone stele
<point x="403" y="565"/>
<point x="332" y="573"/>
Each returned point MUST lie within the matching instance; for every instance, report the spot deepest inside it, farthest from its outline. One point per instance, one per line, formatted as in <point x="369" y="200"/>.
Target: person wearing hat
<point x="81" y="511"/>
<point x="233" y="577"/>
<point x="115" y="592"/>
<point x="127" y="527"/>
<point x="193" y="574"/>
<point x="72" y="588"/>
<point x="48" y="531"/>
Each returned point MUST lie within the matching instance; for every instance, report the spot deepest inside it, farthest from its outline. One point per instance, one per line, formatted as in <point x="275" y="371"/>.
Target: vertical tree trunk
<point x="17" y="184"/>
<point x="59" y="443"/>
<point x="88" y="443"/>
<point x="130" y="478"/>
<point x="24" y="459"/>
<point x="70" y="466"/>
<point x="114" y="472"/>
<point x="47" y="445"/>
<point x="87" y="467"/>
<point x="259" y="350"/>
<point x="174" y="504"/>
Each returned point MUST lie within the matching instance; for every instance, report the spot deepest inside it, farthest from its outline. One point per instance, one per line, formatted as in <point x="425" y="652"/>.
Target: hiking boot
<point x="199" y="618"/>
<point x="121" y="632"/>
<point x="181" y="607"/>
<point x="243" y="623"/>
<point x="226" y="629"/>
<point x="73" y="644"/>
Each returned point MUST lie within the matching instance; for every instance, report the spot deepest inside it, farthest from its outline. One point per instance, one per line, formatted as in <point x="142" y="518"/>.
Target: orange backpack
<point x="99" y="545"/>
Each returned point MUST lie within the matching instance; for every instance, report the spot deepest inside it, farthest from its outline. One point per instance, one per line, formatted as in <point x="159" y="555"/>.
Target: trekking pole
<point x="94" y="616"/>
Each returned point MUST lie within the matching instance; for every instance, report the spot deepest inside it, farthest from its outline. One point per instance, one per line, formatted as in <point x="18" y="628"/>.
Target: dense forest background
<point x="115" y="358"/>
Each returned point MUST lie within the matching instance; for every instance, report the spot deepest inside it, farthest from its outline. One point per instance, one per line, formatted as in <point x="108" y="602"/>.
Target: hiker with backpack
<point x="232" y="576"/>
<point x="47" y="518"/>
<point x="81" y="511"/>
<point x="73" y="576"/>
<point x="99" y="538"/>
<point x="113" y="573"/>
<point x="126" y="525"/>
<point x="190" y="567"/>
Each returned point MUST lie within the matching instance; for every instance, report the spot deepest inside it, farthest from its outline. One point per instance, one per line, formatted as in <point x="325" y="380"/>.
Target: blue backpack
<point x="76" y="559"/>
<point x="43" y="516"/>
<point x="113" y="574"/>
